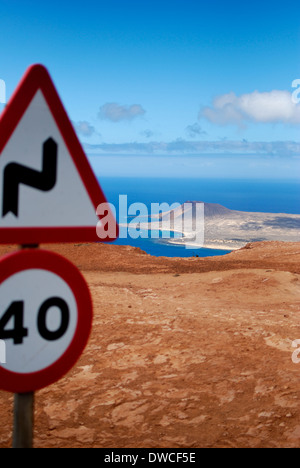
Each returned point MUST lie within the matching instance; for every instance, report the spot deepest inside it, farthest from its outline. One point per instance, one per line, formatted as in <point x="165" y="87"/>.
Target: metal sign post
<point x="48" y="193"/>
<point x="23" y="420"/>
<point x="46" y="318"/>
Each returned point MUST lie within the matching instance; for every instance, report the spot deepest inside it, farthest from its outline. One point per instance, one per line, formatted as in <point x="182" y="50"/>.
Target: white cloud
<point x="84" y="128"/>
<point x="269" y="107"/>
<point x="195" y="130"/>
<point x="180" y="146"/>
<point x="116" y="113"/>
<point x="147" y="133"/>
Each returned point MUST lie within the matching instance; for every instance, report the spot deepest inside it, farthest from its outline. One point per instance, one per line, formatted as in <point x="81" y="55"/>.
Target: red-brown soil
<point x="183" y="353"/>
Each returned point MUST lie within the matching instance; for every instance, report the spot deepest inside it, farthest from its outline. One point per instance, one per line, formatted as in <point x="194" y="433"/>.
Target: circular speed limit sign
<point x="45" y="318"/>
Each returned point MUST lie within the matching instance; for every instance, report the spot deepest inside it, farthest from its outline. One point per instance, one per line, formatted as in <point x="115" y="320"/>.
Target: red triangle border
<point x="37" y="78"/>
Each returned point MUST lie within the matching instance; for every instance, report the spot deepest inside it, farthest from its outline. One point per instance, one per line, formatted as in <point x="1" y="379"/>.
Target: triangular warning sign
<point x="48" y="191"/>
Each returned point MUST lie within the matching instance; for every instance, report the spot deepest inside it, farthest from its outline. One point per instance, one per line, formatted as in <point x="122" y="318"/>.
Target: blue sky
<point x="179" y="87"/>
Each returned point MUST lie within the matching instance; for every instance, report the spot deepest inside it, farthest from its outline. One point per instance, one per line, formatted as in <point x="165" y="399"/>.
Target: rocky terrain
<point x="184" y="353"/>
<point x="223" y="228"/>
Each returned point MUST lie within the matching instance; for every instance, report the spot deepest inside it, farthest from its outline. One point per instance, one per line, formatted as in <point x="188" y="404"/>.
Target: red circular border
<point x="44" y="260"/>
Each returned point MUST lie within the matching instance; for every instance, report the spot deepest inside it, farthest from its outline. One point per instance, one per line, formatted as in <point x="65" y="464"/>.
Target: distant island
<point x="227" y="229"/>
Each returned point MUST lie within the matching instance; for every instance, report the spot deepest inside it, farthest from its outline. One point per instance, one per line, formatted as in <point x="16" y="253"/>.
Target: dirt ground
<point x="184" y="353"/>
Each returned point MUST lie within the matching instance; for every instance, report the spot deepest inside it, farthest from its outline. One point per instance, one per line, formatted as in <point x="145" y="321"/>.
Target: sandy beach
<point x="183" y="353"/>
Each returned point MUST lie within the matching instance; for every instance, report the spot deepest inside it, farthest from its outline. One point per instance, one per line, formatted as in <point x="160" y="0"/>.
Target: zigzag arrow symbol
<point x="16" y="174"/>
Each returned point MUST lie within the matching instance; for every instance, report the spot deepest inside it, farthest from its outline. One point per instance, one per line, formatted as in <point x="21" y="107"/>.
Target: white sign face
<point x="45" y="318"/>
<point x="48" y="191"/>
<point x="38" y="314"/>
<point x="39" y="182"/>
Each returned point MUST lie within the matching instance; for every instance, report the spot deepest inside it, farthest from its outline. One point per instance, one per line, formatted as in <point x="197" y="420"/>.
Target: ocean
<point x="269" y="196"/>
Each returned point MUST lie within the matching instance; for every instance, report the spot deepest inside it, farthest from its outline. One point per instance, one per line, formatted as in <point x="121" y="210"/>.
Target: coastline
<point x="184" y="239"/>
<point x="218" y="245"/>
<point x="217" y="228"/>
